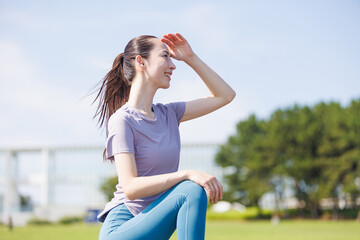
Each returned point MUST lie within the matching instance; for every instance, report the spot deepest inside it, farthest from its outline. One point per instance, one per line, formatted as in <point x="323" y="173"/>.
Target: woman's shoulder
<point x="122" y="114"/>
<point x="174" y="109"/>
<point x="172" y="106"/>
<point x="162" y="108"/>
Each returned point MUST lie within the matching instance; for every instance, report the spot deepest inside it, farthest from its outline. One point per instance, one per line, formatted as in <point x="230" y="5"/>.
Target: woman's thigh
<point x="114" y="219"/>
<point x="159" y="219"/>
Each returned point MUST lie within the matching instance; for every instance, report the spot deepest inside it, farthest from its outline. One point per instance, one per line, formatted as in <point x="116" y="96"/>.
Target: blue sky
<point x="273" y="53"/>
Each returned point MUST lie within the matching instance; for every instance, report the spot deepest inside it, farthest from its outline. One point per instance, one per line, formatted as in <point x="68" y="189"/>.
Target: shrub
<point x="250" y="214"/>
<point x="70" y="220"/>
<point x="38" y="221"/>
<point x="108" y="187"/>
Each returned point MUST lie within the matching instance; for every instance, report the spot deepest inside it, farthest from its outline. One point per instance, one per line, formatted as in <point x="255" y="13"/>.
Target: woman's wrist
<point x="191" y="60"/>
<point x="185" y="174"/>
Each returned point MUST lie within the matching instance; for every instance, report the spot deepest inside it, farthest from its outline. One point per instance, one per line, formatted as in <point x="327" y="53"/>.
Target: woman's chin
<point x="165" y="86"/>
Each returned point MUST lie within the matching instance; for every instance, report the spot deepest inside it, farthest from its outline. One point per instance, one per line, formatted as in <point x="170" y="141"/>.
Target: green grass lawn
<point x="249" y="230"/>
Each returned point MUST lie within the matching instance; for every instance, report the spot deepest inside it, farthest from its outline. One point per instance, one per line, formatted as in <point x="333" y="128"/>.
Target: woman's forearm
<point x="140" y="187"/>
<point x="217" y="86"/>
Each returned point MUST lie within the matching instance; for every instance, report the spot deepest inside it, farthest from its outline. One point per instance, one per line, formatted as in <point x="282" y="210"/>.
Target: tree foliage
<point x="318" y="147"/>
<point x="108" y="187"/>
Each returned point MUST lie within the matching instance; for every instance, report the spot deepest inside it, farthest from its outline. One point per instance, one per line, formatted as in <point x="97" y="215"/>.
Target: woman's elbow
<point x="230" y="96"/>
<point x="130" y="197"/>
<point x="129" y="190"/>
<point x="129" y="194"/>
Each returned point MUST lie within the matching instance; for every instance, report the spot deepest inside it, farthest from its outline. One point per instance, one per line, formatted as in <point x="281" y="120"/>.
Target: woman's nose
<point x="172" y="65"/>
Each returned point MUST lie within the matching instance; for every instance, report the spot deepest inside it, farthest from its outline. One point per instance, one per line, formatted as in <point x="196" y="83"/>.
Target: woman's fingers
<point x="221" y="191"/>
<point x="169" y="38"/>
<point x="215" y="195"/>
<point x="214" y="190"/>
<point x="212" y="186"/>
<point x="219" y="187"/>
<point x="218" y="190"/>
<point x="173" y="37"/>
<point x="167" y="41"/>
<point x="180" y="37"/>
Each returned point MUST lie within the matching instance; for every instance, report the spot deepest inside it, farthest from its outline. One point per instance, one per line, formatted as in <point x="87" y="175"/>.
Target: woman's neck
<point x="141" y="96"/>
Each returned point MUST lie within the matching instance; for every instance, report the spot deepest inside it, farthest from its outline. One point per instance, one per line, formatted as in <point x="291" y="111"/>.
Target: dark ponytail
<point x="115" y="86"/>
<point x="114" y="91"/>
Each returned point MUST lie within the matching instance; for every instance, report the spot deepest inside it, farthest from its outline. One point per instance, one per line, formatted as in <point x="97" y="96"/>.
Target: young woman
<point x="153" y="198"/>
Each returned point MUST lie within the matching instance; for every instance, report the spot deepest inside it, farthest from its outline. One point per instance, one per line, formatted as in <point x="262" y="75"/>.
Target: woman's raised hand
<point x="211" y="185"/>
<point x="178" y="46"/>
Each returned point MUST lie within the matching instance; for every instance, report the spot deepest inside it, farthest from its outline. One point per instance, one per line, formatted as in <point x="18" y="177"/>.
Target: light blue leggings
<point x="183" y="208"/>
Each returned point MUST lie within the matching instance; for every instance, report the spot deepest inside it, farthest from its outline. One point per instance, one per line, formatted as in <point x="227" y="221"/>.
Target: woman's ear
<point x="139" y="62"/>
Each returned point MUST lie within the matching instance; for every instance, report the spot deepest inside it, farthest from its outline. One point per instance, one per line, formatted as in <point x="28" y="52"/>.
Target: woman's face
<point x="159" y="66"/>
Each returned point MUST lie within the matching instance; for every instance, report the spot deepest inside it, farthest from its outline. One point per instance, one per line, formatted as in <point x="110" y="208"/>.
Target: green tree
<point x="108" y="187"/>
<point x="244" y="155"/>
<point x="318" y="147"/>
<point x="296" y="133"/>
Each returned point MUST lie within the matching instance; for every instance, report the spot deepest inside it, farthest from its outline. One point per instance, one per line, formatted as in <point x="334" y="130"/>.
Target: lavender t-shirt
<point x="154" y="143"/>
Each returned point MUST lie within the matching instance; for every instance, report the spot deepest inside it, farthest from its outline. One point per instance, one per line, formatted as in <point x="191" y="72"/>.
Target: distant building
<point x="54" y="182"/>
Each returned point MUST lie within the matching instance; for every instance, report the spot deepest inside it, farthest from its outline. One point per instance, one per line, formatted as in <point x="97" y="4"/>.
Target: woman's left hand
<point x="178" y="46"/>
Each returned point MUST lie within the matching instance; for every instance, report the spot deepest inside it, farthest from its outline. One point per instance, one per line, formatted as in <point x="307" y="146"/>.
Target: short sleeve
<point x="120" y="138"/>
<point x="178" y="108"/>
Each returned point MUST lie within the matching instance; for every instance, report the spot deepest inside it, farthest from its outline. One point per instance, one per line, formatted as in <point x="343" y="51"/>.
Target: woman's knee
<point x="195" y="191"/>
